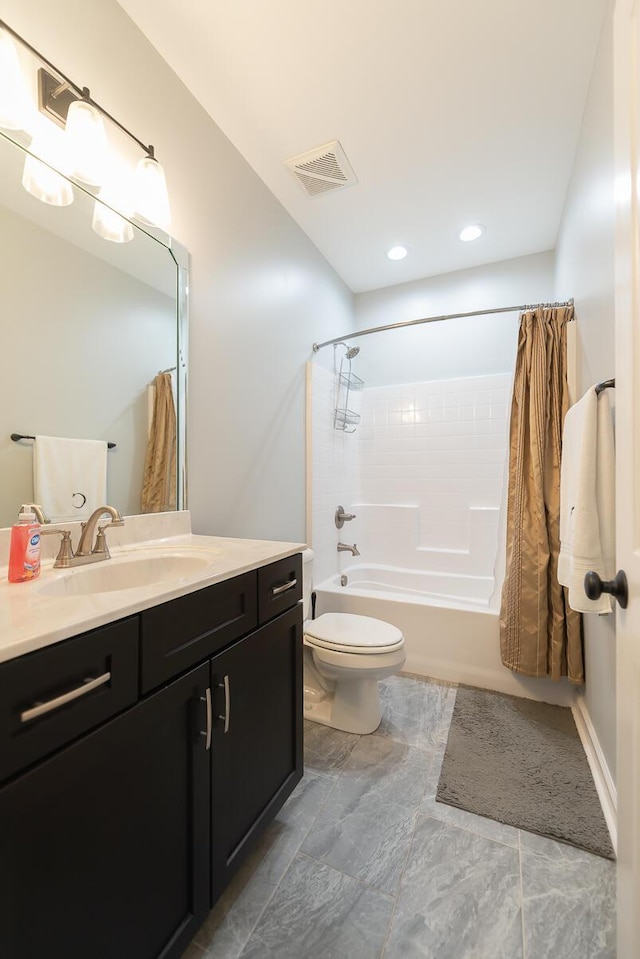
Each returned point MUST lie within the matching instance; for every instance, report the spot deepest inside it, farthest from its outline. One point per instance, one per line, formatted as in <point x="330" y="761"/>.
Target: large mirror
<point x="86" y="326"/>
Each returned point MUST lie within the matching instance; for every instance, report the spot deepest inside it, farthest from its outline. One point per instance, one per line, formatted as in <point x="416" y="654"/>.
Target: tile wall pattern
<point x="424" y="472"/>
<point x="363" y="863"/>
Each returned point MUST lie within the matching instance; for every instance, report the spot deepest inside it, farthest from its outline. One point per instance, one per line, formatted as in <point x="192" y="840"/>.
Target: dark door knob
<point x="594" y="587"/>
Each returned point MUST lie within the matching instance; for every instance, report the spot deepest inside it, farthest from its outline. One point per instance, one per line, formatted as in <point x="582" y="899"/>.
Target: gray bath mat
<point x="522" y="762"/>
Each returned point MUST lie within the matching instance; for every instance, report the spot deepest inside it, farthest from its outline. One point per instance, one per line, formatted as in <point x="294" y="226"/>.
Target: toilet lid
<point x="346" y="632"/>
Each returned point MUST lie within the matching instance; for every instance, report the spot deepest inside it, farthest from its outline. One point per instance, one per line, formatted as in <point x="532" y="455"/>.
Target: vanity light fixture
<point x="72" y="107"/>
<point x="397" y="253"/>
<point x="16" y="106"/>
<point x="114" y="196"/>
<point x="471" y="232"/>
<point x="47" y="156"/>
<point x="87" y="142"/>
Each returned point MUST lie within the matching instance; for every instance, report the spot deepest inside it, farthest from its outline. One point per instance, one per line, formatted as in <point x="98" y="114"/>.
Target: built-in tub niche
<point x="86" y="325"/>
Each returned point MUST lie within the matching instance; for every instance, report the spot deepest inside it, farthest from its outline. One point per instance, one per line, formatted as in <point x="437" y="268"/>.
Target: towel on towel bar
<point x="587" y="500"/>
<point x="69" y="477"/>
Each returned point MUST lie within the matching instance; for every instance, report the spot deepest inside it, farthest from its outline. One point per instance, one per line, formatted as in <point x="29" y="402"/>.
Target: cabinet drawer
<point x="279" y="586"/>
<point x="185" y="631"/>
<point x="54" y="695"/>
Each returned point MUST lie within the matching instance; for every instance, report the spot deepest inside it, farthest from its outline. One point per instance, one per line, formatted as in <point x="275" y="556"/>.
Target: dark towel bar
<point x="605" y="385"/>
<point x="16" y="437"/>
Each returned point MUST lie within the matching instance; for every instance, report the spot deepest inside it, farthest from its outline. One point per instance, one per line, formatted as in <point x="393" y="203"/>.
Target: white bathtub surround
<point x="31" y="619"/>
<point x="423" y="472"/>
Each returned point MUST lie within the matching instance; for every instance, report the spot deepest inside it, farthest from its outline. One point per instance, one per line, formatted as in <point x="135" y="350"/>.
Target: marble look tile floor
<point x="363" y="863"/>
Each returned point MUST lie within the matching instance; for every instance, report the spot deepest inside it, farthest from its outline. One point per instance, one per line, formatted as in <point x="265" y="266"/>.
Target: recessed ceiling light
<point x="471" y="232"/>
<point x="397" y="253"/>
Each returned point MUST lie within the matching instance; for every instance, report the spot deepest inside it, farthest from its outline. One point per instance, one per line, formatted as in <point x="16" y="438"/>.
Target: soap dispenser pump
<point x="24" y="551"/>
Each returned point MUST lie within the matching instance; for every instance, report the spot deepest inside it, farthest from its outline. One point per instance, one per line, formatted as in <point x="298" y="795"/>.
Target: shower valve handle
<point x="341" y="517"/>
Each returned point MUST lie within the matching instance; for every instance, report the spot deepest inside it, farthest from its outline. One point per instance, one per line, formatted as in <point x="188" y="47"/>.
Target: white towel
<point x="69" y="477"/>
<point x="587" y="500"/>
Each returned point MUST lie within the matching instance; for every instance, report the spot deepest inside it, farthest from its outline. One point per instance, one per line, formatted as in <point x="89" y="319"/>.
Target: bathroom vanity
<point x="140" y="759"/>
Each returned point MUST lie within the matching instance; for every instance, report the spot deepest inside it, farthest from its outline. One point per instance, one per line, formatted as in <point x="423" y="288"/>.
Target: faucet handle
<point x="341" y="517"/>
<point x="65" y="553"/>
<point x="101" y="546"/>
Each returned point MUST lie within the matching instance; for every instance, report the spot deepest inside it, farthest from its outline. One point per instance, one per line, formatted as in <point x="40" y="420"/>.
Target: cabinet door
<point x="104" y="847"/>
<point x="256" y="752"/>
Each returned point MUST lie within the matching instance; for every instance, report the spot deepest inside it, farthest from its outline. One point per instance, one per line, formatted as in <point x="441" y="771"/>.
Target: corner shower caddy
<point x="347" y="383"/>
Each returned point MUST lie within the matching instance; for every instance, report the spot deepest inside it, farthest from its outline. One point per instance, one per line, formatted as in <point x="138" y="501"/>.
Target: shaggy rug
<point x="521" y="762"/>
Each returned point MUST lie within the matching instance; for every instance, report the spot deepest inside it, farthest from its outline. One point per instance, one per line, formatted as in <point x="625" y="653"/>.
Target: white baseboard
<point x="605" y="786"/>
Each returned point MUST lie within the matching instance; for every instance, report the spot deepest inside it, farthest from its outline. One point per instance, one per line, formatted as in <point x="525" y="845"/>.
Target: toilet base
<point x="353" y="707"/>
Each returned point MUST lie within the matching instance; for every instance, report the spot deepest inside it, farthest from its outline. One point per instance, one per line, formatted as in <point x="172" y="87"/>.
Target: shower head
<point x="351" y="350"/>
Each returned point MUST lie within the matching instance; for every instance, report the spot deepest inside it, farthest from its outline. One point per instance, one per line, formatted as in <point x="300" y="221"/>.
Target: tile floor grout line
<point x="347" y="875"/>
<point x="524" y="940"/>
<point x="399" y="893"/>
<point x="296" y="852"/>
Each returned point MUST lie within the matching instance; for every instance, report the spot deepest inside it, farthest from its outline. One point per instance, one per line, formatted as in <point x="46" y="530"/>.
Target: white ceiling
<point x="450" y="112"/>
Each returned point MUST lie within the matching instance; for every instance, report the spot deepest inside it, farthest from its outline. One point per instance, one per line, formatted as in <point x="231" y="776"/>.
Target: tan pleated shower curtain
<point x="539" y="634"/>
<point x="159" y="477"/>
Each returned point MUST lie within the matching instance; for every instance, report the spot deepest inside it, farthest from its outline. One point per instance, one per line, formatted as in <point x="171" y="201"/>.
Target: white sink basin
<point x="127" y="572"/>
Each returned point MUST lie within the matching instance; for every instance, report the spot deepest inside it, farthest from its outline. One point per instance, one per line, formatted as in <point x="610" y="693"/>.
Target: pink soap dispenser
<point x="24" y="552"/>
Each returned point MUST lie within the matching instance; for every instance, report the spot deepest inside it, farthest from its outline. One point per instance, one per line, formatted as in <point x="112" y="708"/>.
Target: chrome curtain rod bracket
<point x="526" y="308"/>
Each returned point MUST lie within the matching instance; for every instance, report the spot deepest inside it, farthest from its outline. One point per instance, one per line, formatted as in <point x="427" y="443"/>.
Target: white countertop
<point x="31" y="621"/>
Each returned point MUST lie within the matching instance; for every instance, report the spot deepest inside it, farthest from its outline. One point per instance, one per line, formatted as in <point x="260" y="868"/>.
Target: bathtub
<point x="449" y="623"/>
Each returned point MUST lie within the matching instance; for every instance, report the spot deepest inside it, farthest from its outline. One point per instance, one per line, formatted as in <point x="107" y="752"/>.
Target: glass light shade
<point x="110" y="225"/>
<point x="16" y="105"/>
<point x="86" y="143"/>
<point x="151" y="203"/>
<point x="42" y="179"/>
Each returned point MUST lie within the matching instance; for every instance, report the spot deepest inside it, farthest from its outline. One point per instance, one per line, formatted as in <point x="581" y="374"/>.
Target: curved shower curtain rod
<point x="437" y="319"/>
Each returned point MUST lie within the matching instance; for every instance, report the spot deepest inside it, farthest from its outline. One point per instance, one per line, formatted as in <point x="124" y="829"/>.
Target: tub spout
<point x="345" y="548"/>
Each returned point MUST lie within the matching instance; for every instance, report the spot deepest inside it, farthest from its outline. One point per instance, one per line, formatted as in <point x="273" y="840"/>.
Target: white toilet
<point x="344" y="657"/>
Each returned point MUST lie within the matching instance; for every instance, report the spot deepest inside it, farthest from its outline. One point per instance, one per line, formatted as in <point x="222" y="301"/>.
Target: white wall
<point x="260" y="291"/>
<point x="461" y="347"/>
<point x="585" y="270"/>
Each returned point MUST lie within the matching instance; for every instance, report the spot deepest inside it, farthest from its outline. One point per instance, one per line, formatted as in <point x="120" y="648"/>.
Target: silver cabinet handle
<point x="285" y="586"/>
<point x="41" y="708"/>
<point x="227" y="703"/>
<point x="207" y="699"/>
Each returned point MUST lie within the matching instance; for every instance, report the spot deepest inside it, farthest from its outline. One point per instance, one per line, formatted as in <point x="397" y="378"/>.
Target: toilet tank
<point x="307" y="579"/>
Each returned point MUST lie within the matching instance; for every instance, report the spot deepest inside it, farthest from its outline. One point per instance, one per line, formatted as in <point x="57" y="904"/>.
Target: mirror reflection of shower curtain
<point x="539" y="634"/>
<point x="159" y="477"/>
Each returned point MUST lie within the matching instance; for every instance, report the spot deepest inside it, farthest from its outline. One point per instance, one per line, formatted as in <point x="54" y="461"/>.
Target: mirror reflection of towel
<point x="69" y="477"/>
<point x="159" y="477"/>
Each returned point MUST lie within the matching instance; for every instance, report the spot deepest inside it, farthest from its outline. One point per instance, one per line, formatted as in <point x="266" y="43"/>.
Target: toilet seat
<point x="350" y="633"/>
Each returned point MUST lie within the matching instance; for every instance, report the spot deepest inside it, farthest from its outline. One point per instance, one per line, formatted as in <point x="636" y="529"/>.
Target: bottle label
<point x="32" y="553"/>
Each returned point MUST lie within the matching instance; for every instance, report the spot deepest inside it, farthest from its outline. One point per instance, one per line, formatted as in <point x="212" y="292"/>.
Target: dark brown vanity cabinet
<point x="256" y="750"/>
<point x="125" y="809"/>
<point x="103" y="846"/>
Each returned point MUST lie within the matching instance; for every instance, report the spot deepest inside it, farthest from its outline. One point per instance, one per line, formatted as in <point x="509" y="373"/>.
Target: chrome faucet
<point x="344" y="548"/>
<point x="66" y="558"/>
<point x="100" y="550"/>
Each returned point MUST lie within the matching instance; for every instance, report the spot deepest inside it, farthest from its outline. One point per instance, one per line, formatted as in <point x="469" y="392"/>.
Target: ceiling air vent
<point x="322" y="170"/>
